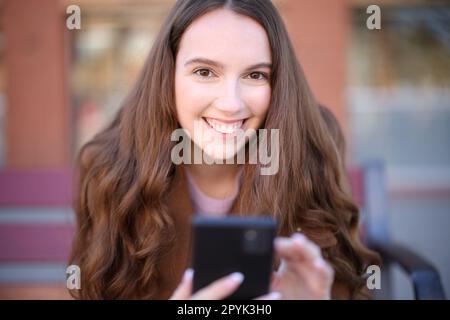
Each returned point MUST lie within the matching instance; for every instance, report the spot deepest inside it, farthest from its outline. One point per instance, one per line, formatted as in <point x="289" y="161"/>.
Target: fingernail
<point x="188" y="274"/>
<point x="279" y="241"/>
<point x="319" y="263"/>
<point x="237" y="277"/>
<point x="274" y="296"/>
<point x="298" y="236"/>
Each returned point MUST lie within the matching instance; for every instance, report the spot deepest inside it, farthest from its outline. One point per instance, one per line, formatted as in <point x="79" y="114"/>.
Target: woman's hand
<point x="219" y="289"/>
<point x="303" y="273"/>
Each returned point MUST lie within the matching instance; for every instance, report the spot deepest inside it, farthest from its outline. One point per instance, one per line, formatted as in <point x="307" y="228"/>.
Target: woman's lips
<point x="224" y="126"/>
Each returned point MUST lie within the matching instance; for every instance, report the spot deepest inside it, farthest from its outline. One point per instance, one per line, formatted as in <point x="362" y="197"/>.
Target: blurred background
<point x="389" y="89"/>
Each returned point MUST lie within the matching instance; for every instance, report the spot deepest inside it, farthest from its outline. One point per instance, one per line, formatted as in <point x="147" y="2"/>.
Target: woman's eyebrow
<point x="221" y="66"/>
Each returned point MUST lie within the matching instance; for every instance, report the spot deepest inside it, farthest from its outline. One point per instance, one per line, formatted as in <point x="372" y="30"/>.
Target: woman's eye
<point x="258" y="76"/>
<point x="205" y="73"/>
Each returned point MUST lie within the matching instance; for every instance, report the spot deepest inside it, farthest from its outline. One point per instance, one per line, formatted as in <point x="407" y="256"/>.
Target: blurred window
<point x="107" y="55"/>
<point x="399" y="97"/>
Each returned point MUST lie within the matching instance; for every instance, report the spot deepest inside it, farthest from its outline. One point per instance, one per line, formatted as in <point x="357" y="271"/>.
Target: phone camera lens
<point x="251" y="235"/>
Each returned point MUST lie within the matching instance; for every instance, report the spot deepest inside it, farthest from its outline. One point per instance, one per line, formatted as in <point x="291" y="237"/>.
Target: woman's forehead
<point x="224" y="36"/>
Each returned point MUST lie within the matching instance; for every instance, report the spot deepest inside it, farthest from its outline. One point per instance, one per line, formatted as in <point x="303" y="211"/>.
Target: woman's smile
<point x="224" y="127"/>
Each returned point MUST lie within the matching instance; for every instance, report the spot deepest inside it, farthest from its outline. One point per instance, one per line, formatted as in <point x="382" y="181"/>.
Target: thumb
<point x="184" y="289"/>
<point x="276" y="275"/>
<point x="274" y="282"/>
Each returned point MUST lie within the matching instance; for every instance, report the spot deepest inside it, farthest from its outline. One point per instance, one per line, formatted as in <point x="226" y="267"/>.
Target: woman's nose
<point x="230" y="101"/>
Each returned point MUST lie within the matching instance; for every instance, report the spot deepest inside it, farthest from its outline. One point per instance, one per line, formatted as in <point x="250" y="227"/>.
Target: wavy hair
<point x="125" y="172"/>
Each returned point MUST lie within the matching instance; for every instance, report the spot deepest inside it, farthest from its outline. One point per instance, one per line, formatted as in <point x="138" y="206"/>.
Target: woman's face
<point x="222" y="81"/>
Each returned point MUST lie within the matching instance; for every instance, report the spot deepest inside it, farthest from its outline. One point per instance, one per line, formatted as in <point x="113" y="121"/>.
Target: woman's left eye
<point x="258" y="76"/>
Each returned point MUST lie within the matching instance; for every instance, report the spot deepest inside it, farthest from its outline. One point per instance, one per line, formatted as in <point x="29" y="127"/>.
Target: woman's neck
<point x="215" y="180"/>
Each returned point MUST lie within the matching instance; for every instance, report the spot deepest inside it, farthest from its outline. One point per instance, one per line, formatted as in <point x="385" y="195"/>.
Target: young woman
<point x="221" y="66"/>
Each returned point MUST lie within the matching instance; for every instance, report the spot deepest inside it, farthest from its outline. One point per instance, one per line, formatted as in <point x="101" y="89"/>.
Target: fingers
<point x="270" y="296"/>
<point x="325" y="273"/>
<point x="302" y="262"/>
<point x="184" y="290"/>
<point x="297" y="248"/>
<point x="221" y="288"/>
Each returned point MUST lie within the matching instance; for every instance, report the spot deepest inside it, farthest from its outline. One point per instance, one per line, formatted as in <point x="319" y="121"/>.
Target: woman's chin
<point x="227" y="153"/>
<point x="219" y="156"/>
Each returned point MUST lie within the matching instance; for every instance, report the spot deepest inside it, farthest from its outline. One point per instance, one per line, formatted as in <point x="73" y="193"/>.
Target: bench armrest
<point x="425" y="277"/>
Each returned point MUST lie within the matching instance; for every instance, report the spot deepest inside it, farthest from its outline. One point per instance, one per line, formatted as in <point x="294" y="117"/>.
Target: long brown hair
<point x="125" y="172"/>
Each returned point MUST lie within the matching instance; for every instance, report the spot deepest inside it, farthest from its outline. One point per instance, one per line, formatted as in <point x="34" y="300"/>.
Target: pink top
<point x="207" y="205"/>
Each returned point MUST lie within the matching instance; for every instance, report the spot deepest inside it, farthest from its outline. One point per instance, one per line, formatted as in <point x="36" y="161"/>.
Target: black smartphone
<point x="234" y="244"/>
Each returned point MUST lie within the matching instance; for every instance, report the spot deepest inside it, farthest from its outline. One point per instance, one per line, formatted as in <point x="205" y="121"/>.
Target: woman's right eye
<point x="204" y="73"/>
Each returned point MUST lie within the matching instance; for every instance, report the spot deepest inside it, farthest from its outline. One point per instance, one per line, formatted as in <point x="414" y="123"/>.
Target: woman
<point x="222" y="66"/>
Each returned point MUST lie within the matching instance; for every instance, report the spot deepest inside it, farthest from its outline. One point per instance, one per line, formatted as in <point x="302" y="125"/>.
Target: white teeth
<point x="224" y="127"/>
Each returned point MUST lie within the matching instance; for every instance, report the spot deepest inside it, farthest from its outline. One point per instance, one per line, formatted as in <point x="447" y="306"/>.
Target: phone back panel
<point x="230" y="244"/>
